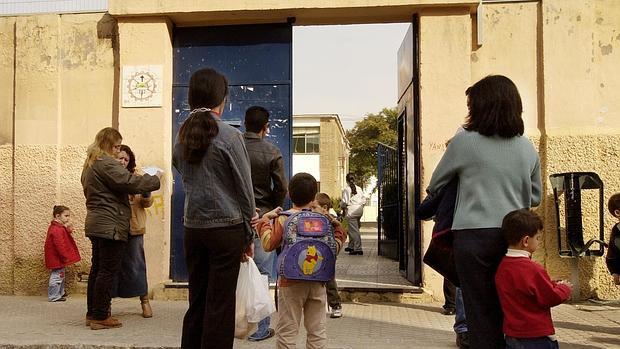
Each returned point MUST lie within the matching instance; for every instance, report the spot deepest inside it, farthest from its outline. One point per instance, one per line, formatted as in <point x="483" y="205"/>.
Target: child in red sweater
<point x="525" y="290"/>
<point x="60" y="251"/>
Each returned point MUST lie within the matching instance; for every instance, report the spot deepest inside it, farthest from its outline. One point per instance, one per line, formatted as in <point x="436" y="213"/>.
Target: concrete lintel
<point x="236" y="12"/>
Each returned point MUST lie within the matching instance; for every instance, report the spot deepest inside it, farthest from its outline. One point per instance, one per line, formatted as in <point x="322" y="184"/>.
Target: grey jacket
<point x="218" y="190"/>
<point x="267" y="172"/>
<point x="106" y="185"/>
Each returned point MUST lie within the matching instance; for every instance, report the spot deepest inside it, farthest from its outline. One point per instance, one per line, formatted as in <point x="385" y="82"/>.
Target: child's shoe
<point x="336" y="312"/>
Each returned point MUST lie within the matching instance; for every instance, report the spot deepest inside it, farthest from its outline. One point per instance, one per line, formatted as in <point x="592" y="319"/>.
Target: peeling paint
<point x="607" y="49"/>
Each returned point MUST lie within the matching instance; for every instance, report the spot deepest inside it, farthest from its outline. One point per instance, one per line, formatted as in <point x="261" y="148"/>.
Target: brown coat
<point x="107" y="185"/>
<point x="138" y="204"/>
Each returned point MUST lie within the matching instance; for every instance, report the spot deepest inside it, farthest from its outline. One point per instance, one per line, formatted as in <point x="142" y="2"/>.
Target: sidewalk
<point x="32" y="322"/>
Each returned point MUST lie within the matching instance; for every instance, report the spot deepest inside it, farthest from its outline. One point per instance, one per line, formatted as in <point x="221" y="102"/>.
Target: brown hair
<point x="103" y="145"/>
<point x="613" y="203"/>
<point x="59" y="209"/>
<point x="520" y="223"/>
<point x="323" y="200"/>
<point x="494" y="107"/>
<point x="131" y="164"/>
<point x="302" y="188"/>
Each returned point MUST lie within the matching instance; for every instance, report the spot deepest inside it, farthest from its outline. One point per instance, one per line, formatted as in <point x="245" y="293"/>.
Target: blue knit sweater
<point x="496" y="175"/>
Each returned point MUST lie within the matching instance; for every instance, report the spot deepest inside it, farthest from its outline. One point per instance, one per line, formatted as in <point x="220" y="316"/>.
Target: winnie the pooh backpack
<point x="308" y="247"/>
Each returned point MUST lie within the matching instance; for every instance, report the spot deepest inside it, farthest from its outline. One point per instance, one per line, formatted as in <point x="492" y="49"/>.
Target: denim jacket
<point x="218" y="190"/>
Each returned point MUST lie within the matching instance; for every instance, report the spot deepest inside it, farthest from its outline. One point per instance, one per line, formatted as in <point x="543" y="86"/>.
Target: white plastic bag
<point x="254" y="301"/>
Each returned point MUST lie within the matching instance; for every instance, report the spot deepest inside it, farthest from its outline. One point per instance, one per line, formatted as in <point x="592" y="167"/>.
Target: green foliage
<point x="336" y="205"/>
<point x="373" y="129"/>
<point x="344" y="222"/>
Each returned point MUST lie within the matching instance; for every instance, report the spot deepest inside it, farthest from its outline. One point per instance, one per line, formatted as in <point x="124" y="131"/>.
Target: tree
<point x="373" y="129"/>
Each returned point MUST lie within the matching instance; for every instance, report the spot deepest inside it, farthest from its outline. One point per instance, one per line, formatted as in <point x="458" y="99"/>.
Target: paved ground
<point x="369" y="271"/>
<point x="32" y="322"/>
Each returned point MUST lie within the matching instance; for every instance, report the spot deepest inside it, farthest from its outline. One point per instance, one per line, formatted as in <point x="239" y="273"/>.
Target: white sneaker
<point x="336" y="313"/>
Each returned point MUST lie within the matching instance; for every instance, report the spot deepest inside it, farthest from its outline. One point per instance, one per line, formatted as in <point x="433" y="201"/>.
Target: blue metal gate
<point x="257" y="60"/>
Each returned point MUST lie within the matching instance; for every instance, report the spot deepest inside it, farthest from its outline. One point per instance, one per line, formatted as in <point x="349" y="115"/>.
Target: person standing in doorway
<point x="219" y="209"/>
<point x="269" y="186"/>
<point x="353" y="202"/>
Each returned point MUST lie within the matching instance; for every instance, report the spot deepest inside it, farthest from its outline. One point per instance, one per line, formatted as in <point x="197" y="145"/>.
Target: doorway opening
<point x="317" y="82"/>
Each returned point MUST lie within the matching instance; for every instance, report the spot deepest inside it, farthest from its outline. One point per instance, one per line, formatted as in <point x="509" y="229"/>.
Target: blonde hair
<point x="103" y="145"/>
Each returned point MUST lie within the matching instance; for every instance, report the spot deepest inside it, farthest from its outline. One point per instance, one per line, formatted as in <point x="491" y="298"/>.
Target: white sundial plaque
<point x="142" y="86"/>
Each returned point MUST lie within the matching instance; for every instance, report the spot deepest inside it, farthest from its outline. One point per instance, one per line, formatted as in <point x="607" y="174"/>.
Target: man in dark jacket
<point x="269" y="190"/>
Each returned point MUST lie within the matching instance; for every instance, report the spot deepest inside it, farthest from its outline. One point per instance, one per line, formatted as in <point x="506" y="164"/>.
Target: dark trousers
<point x="213" y="257"/>
<point x="333" y="298"/>
<point x="449" y="294"/>
<point x="531" y="343"/>
<point x="477" y="254"/>
<point x="106" y="263"/>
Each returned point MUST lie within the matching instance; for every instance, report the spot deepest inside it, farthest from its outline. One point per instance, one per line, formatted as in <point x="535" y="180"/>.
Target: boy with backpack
<point x="309" y="243"/>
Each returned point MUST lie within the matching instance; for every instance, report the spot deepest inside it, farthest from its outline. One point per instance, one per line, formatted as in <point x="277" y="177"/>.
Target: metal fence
<point x="388" y="219"/>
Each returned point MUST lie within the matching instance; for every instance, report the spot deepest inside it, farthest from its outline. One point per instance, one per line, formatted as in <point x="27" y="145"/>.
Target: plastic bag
<point x="254" y="301"/>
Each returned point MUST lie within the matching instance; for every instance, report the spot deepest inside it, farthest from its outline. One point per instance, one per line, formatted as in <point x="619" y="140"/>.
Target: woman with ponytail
<point x="219" y="207"/>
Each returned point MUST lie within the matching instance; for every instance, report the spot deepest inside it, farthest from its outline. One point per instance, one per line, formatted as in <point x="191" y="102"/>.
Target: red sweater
<point x="527" y="294"/>
<point x="60" y="248"/>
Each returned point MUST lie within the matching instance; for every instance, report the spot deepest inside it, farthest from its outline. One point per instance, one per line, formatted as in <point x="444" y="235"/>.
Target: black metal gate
<point x="388" y="219"/>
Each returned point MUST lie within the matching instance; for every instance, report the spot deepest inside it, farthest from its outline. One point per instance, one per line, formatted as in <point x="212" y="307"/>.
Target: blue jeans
<point x="265" y="261"/>
<point x="531" y="343"/>
<point x="460" y="323"/>
<point x="56" y="287"/>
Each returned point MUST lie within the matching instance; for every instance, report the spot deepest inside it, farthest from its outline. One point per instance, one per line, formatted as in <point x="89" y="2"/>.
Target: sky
<point x="349" y="70"/>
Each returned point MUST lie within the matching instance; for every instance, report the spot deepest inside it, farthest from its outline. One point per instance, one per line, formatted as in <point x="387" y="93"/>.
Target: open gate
<point x="389" y="208"/>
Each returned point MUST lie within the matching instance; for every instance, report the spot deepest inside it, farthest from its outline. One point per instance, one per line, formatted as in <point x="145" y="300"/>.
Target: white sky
<point x="349" y="70"/>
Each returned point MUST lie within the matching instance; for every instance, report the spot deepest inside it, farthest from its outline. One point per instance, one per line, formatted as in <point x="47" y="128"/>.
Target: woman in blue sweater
<point x="498" y="170"/>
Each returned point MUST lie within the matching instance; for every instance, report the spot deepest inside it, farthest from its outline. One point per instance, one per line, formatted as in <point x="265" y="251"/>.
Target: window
<point x="306" y="140"/>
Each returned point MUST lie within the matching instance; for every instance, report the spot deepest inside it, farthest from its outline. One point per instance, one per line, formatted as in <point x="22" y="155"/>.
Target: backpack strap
<point x="288" y="214"/>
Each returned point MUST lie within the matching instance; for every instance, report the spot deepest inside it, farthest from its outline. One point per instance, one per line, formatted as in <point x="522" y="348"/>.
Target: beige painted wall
<point x="197" y="12"/>
<point x="562" y="54"/>
<point x="582" y="114"/>
<point x="148" y="131"/>
<point x="7" y="34"/>
<point x="570" y="100"/>
<point x="334" y="157"/>
<point x="445" y="73"/>
<point x="63" y="95"/>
